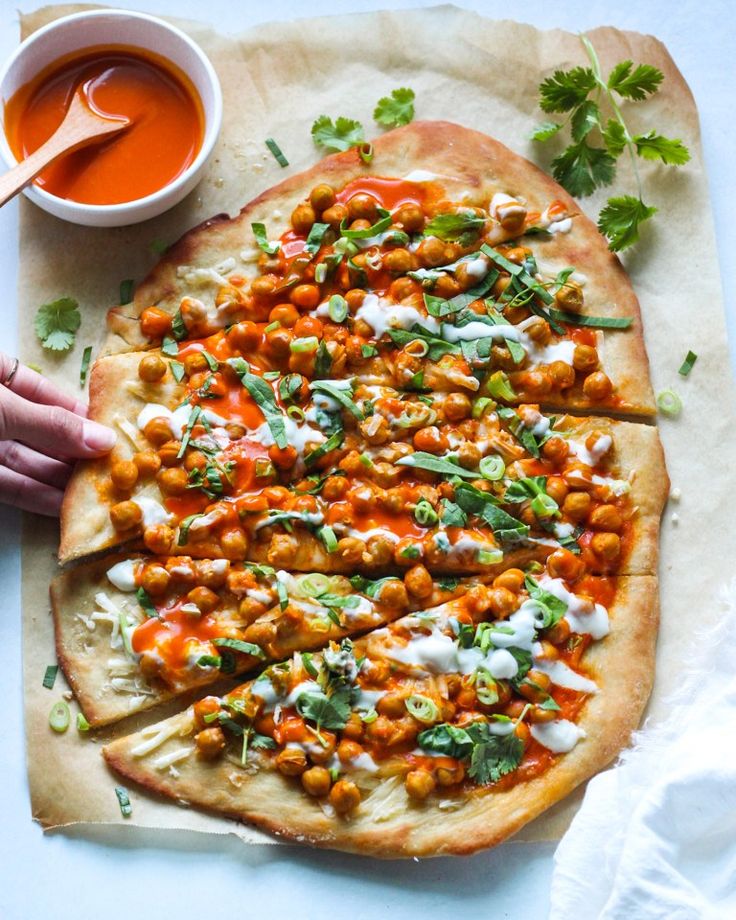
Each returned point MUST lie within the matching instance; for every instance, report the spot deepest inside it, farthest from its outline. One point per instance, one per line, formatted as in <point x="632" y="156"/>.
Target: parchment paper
<point x="276" y="80"/>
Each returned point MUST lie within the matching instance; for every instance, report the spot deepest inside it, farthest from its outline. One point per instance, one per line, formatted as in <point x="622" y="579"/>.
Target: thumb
<point x="52" y="429"/>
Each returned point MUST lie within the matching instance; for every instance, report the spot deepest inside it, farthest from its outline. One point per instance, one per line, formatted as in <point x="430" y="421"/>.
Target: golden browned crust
<point x="623" y="666"/>
<point x="472" y="167"/>
<point x="117" y="395"/>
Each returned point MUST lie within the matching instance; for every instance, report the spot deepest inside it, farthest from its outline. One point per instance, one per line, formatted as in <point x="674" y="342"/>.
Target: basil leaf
<point x="505" y="527"/>
<point x="259" y="232"/>
<point x="322" y="360"/>
<point x="321" y="386"/>
<point x="264" y="398"/>
<point x="437" y="306"/>
<point x="382" y="224"/>
<point x="146" y="603"/>
<point x="594" y="322"/>
<point x="247" y="648"/>
<point x="423" y="461"/>
<point x="437" y="347"/>
<point x="452" y="514"/>
<point x="316" y="235"/>
<point x="332" y="443"/>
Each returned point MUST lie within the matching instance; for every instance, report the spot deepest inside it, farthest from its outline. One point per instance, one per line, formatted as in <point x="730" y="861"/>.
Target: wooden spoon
<point x="81" y="126"/>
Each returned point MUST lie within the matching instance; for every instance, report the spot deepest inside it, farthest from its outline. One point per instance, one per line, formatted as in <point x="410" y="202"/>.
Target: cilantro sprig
<point x="343" y="133"/>
<point x="56" y="323"/>
<point x="585" y="165"/>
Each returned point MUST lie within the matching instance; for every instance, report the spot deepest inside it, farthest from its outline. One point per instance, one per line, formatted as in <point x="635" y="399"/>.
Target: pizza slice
<point x="444" y="732"/>
<point x="134" y="631"/>
<point x="446" y="262"/>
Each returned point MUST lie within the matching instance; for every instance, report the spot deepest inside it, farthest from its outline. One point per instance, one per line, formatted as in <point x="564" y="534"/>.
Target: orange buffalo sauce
<point x="163" y="140"/>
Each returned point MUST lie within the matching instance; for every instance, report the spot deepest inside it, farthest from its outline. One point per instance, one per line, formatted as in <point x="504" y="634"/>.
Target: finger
<point x="35" y="387"/>
<point x="26" y="493"/>
<point x="52" y="429"/>
<point x="31" y="463"/>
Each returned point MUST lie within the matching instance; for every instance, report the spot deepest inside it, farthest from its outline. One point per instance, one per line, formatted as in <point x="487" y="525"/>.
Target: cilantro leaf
<point x="635" y="84"/>
<point x="494" y="758"/>
<point x="566" y="89"/>
<point x="582" y="168"/>
<point x="544" y="131"/>
<point x="654" y="146"/>
<point x="585" y="117"/>
<point x="327" y="712"/>
<point x="56" y="323"/>
<point x="620" y="220"/>
<point x="614" y="137"/>
<point x="448" y="740"/>
<point x="342" y="134"/>
<point x="396" y="109"/>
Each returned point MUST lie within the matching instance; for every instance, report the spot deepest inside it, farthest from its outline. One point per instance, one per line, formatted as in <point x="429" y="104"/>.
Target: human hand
<point x="42" y="430"/>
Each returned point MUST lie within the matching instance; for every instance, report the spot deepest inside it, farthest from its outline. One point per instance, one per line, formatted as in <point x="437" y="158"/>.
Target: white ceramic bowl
<point x="136" y="30"/>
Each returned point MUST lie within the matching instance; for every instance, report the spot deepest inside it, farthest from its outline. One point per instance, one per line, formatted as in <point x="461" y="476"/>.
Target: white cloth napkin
<point x="655" y="836"/>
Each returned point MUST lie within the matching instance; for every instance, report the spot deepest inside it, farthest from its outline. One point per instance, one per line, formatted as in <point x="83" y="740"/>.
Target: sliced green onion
<point x="264" y="468"/>
<point x="126" y="291"/>
<point x="296" y="413"/>
<point x="366" y="152"/>
<point x="338" y="308"/>
<point x="486" y="688"/>
<point x="277" y="152"/>
<point x="366" y="461"/>
<point x="669" y="403"/>
<point x="327" y="536"/>
<point x="273" y="326"/>
<point x="320" y="272"/>
<point x="481" y="404"/>
<point x="422" y="708"/>
<point x="499" y="386"/>
<point x="425" y="513"/>
<point x="418" y="348"/>
<point x="490" y="556"/>
<point x="126" y="809"/>
<point x="687" y="364"/>
<point x="309" y="666"/>
<point x="492" y="467"/>
<point x="86" y="358"/>
<point x="368" y="351"/>
<point x="158" y="247"/>
<point x="49" y="678"/>
<point x="82" y="724"/>
<point x="370" y="716"/>
<point x="305" y="344"/>
<point x="544" y="506"/>
<point x="59" y="717"/>
<point x="283" y="594"/>
<point x="315" y="584"/>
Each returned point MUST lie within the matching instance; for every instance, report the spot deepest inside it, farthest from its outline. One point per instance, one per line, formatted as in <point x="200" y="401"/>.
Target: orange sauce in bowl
<point x="163" y="140"/>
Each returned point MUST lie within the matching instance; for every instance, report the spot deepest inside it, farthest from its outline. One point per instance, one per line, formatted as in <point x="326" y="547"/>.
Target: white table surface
<point x="122" y="873"/>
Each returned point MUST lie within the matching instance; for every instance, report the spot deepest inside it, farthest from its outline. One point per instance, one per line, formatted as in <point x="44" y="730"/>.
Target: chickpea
<point x="195" y="363"/>
<point x="557" y="488"/>
<point x="353" y="728"/>
<point x="538" y="381"/>
<point x="283" y="458"/>
<point x="431" y="252"/>
<point x="606" y="545"/>
<point x="539" y="331"/>
<point x="234" y="544"/>
<point x="597" y="386"/>
<point x="194" y="460"/>
<point x="206" y="707"/>
<point x="305" y="296"/>
<point x="585" y="358"/>
<point x="291" y="761"/>
<point x="285" y="314"/>
<point x="159" y="539"/>
<point x="362" y="207"/>
<point x="606" y="517"/>
<point x="169" y="452"/>
<point x="418" y="581"/>
<point x="570" y="297"/>
<point x="322" y="197"/>
<point x="547" y="651"/>
<point x="360" y="224"/>
<point x="344" y="796"/>
<point x="512" y="580"/>
<point x="419" y="784"/>
<point x="335" y="215"/>
<point x="155" y="323"/>
<point x="392" y="704"/>
<point x="446" y="286"/>
<point x="263" y="285"/>
<point x="147" y="462"/>
<point x="431" y="439"/>
<point x="151" y="368"/>
<point x="155" y="579"/>
<point x="363" y="499"/>
<point x="375" y="429"/>
<point x="213" y="573"/>
<point x="324" y="751"/>
<point x="158" y="431"/>
<point x="501" y="601"/>
<point x="309" y="325"/>
<point x="125" y="515"/>
<point x="350" y="550"/>
<point x="562" y="374"/>
<point x="376" y="672"/>
<point x="210" y="742"/>
<point x="450" y="776"/>
<point x="398" y="261"/>
<point x="555" y="449"/>
<point x="457" y="406"/>
<point x="564" y="564"/>
<point x="316" y="781"/>
<point x="302" y="218"/>
<point x="410" y="218"/>
<point x="469" y="455"/>
<point x="577" y="505"/>
<point x="334" y="488"/>
<point x="173" y="481"/>
<point x="204" y="598"/>
<point x="124" y="475"/>
<point x="393" y="594"/>
<point x="278" y="341"/>
<point x="559" y="633"/>
<point x="282" y="550"/>
<point x="348" y="750"/>
<point x="538" y="693"/>
<point x="244" y="336"/>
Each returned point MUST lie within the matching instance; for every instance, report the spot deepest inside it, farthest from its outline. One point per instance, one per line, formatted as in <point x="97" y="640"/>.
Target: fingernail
<point x="98" y="437"/>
